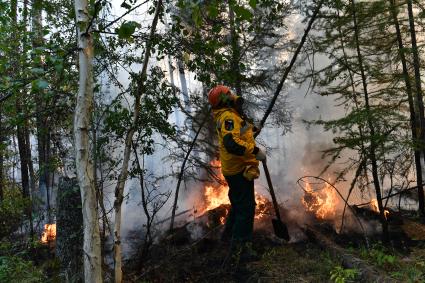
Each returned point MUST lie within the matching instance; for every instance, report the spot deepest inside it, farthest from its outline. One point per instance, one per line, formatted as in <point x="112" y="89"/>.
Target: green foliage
<point x="12" y="209"/>
<point x="15" y="269"/>
<point x="409" y="274"/>
<point x="127" y="29"/>
<point x="374" y="123"/>
<point x="242" y="13"/>
<point x="381" y="257"/>
<point x="342" y="275"/>
<point x="157" y="102"/>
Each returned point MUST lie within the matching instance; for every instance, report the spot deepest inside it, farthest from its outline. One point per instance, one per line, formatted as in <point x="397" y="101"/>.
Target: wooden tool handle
<point x="269" y="182"/>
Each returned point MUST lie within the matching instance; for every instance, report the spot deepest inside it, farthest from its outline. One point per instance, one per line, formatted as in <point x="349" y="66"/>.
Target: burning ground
<point x="320" y="248"/>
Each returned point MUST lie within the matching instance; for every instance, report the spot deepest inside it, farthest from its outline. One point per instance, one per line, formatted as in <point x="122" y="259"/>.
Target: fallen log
<point x="366" y="273"/>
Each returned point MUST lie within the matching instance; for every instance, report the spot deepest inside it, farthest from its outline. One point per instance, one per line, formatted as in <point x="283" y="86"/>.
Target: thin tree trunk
<point x="21" y="125"/>
<point x="414" y="124"/>
<point x="30" y="164"/>
<point x="99" y="189"/>
<point x="119" y="189"/>
<point x="84" y="163"/>
<point x="171" y="71"/>
<point x="291" y="64"/>
<point x="26" y="135"/>
<point x="182" y="168"/>
<point x="419" y="95"/>
<point x="24" y="149"/>
<point x="235" y="52"/>
<point x="148" y="238"/>
<point x="183" y="84"/>
<point x="41" y="121"/>
<point x="2" y="175"/>
<point x="373" y="146"/>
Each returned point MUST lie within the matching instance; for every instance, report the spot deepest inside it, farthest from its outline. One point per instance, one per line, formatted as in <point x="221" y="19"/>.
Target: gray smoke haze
<point x="291" y="156"/>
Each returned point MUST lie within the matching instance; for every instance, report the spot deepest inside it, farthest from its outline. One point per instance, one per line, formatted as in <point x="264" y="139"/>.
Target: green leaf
<point x="59" y="67"/>
<point x="196" y="16"/>
<point x="253" y="3"/>
<point x="212" y="10"/>
<point x="37" y="71"/>
<point x="41" y="84"/>
<point x="242" y="12"/>
<point x="126" y="30"/>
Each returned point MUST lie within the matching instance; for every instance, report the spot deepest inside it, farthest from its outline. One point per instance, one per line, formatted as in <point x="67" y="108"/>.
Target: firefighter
<point x="239" y="158"/>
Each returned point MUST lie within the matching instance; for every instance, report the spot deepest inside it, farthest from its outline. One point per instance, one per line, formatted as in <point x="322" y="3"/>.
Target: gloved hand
<point x="260" y="154"/>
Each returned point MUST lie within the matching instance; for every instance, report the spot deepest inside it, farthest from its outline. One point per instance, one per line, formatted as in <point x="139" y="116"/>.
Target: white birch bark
<point x="119" y="189"/>
<point x="84" y="163"/>
<point x="171" y="71"/>
<point x="183" y="85"/>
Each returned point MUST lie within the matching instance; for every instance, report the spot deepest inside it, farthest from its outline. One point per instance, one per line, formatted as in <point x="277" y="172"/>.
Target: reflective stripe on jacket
<point x="236" y="141"/>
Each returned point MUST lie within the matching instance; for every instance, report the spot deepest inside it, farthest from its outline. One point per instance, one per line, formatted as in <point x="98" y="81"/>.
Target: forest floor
<point x="205" y="262"/>
<point x="305" y="260"/>
<point x="179" y="258"/>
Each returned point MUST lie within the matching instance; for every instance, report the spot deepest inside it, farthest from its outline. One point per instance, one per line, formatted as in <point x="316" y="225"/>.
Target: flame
<point x="215" y="196"/>
<point x="49" y="233"/>
<point x="375" y="207"/>
<point x="321" y="202"/>
<point x="222" y="220"/>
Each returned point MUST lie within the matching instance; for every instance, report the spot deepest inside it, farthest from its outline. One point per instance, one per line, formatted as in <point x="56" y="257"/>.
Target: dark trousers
<point x="240" y="220"/>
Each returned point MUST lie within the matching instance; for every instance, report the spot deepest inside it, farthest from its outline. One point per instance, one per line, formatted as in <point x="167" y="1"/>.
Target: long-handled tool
<point x="279" y="227"/>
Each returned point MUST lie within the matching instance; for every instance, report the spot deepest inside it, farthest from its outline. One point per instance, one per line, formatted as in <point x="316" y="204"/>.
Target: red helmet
<point x="218" y="94"/>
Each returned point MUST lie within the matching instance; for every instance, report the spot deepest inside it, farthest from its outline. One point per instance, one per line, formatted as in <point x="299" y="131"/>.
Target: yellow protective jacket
<point x="236" y="142"/>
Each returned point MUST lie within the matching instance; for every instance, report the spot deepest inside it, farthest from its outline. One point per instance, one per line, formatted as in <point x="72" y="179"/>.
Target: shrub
<point x="12" y="211"/>
<point x="16" y="269"/>
<point x="341" y="275"/>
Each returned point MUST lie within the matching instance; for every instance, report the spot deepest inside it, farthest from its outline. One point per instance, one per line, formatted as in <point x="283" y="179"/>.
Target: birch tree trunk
<point x="84" y="164"/>
<point x="171" y="71"/>
<point x="119" y="189"/>
<point x="183" y="84"/>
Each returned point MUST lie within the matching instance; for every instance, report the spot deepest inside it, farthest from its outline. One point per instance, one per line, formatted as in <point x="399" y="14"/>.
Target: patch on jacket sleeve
<point x="229" y="125"/>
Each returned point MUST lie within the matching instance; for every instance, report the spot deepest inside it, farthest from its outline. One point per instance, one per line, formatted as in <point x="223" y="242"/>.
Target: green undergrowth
<point x="17" y="269"/>
<point x="342" y="275"/>
<point x="303" y="262"/>
<point x="402" y="267"/>
<point x="27" y="263"/>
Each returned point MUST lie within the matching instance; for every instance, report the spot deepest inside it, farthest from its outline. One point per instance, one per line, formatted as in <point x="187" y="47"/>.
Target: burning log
<point x="322" y="202"/>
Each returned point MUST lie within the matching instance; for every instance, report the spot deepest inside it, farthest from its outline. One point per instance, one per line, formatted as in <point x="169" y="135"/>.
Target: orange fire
<point x="322" y="202"/>
<point x="375" y="207"/>
<point x="49" y="233"/>
<point x="214" y="196"/>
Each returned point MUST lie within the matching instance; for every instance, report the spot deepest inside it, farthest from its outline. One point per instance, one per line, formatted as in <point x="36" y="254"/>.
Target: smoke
<point x="291" y="155"/>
